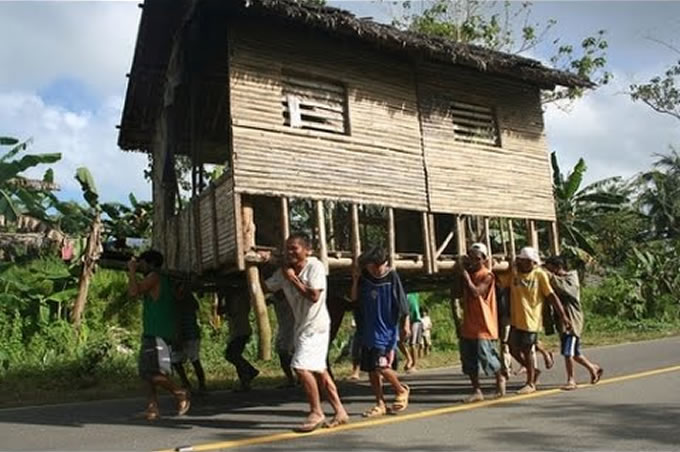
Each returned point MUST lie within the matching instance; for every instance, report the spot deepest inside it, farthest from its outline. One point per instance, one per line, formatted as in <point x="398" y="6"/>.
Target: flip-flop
<point x="569" y="387"/>
<point x="597" y="377"/>
<point x="377" y="410"/>
<point x="335" y="422"/>
<point x="552" y="361"/>
<point x="308" y="427"/>
<point x="401" y="401"/>
<point x="183" y="403"/>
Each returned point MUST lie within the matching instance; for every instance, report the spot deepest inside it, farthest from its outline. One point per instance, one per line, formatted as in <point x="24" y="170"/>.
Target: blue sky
<point x="66" y="83"/>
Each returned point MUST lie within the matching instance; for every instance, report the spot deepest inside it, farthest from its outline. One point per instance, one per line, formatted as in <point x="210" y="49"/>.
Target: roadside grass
<point x="115" y="374"/>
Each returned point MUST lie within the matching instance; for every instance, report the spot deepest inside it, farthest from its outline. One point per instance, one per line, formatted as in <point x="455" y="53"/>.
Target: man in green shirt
<point x="159" y="323"/>
<point x="408" y="345"/>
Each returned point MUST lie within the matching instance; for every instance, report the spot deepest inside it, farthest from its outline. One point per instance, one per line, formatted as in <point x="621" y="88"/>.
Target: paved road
<point x="636" y="407"/>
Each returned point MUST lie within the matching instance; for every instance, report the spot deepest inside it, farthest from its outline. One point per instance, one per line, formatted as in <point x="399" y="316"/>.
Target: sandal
<point x="309" y="427"/>
<point x="150" y="414"/>
<point x="569" y="387"/>
<point x="183" y="402"/>
<point x="378" y="410"/>
<point x="401" y="400"/>
<point x="598" y="375"/>
<point x="337" y="422"/>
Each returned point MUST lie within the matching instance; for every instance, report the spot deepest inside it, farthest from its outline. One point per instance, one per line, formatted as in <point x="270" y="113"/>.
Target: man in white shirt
<point x="303" y="281"/>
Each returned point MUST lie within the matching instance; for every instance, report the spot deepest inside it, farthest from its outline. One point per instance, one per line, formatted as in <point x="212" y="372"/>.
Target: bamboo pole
<point x="356" y="239"/>
<point x="285" y="223"/>
<point x="432" y="245"/>
<point x="501" y="225"/>
<point x="487" y="240"/>
<point x="427" y="250"/>
<point x="554" y="238"/>
<point x="255" y="291"/>
<point x="331" y="227"/>
<point x="461" y="243"/>
<point x="391" y="237"/>
<point x="513" y="247"/>
<point x="532" y="232"/>
<point x="321" y="227"/>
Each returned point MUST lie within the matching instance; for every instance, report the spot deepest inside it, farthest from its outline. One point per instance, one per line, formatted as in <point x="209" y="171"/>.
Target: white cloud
<point x="615" y="136"/>
<point x="83" y="138"/>
<point x="43" y="41"/>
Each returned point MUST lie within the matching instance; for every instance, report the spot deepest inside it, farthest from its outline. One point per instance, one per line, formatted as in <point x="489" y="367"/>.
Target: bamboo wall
<point x="378" y="162"/>
<point x="510" y="180"/>
<point x="202" y="236"/>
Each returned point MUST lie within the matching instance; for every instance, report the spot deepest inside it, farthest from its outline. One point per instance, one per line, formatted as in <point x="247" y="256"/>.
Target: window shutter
<point x="314" y="104"/>
<point x="474" y="124"/>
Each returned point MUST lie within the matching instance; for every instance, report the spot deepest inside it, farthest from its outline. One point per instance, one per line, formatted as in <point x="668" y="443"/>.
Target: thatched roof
<point x="161" y="19"/>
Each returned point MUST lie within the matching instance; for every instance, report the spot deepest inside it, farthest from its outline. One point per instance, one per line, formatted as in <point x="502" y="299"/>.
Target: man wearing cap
<point x="479" y="330"/>
<point x="529" y="289"/>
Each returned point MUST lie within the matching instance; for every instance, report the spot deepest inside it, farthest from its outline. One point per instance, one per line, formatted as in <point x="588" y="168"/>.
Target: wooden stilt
<point x="331" y="228"/>
<point x="501" y="225"/>
<point x="532" y="234"/>
<point x="285" y="223"/>
<point x="511" y="234"/>
<point x="554" y="238"/>
<point x="391" y="237"/>
<point x="321" y="228"/>
<point x="461" y="242"/>
<point x="433" y="242"/>
<point x="356" y="240"/>
<point x="487" y="240"/>
<point x="255" y="291"/>
<point x="427" y="251"/>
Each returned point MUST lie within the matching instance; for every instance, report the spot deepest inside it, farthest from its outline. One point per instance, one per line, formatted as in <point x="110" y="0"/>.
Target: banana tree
<point x="576" y="207"/>
<point x="19" y="195"/>
<point x="94" y="243"/>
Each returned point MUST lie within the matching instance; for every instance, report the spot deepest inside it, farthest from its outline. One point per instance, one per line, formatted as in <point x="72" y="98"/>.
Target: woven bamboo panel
<point x="226" y="228"/>
<point x="206" y="222"/>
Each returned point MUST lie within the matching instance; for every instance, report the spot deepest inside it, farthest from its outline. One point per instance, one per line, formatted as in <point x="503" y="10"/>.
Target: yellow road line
<point x="409" y="417"/>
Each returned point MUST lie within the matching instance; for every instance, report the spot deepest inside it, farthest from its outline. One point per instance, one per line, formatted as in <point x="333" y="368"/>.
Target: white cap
<point x="529" y="253"/>
<point x="479" y="247"/>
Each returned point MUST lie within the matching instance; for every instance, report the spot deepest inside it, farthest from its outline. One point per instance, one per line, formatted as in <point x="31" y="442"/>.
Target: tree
<point x="18" y="195"/>
<point x="661" y="93"/>
<point x="508" y="27"/>
<point x="128" y="221"/>
<point x="660" y="196"/>
<point x="576" y="207"/>
<point x="93" y="247"/>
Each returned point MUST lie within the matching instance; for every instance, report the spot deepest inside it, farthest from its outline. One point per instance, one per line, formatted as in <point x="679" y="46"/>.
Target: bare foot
<point x="527" y="389"/>
<point x="476" y="396"/>
<point x="312" y="423"/>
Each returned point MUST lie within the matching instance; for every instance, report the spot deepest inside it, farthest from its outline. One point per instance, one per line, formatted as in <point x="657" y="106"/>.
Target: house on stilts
<point x="354" y="129"/>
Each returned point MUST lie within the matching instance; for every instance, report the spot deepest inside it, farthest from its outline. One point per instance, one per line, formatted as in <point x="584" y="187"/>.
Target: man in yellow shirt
<point x="529" y="289"/>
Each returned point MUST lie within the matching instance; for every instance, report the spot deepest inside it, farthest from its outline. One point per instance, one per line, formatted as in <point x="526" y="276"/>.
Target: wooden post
<point x="511" y="234"/>
<point x="391" y="237"/>
<point x="532" y="233"/>
<point x="427" y="249"/>
<point x="285" y="223"/>
<point x="321" y="227"/>
<point x="356" y="240"/>
<point x="331" y="228"/>
<point x="554" y="238"/>
<point x="501" y="225"/>
<point x="487" y="240"/>
<point x="461" y="243"/>
<point x="255" y="291"/>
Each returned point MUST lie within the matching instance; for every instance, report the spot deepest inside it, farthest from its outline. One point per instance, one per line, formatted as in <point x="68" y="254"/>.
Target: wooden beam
<point x="554" y="238"/>
<point x="356" y="238"/>
<point x="445" y="243"/>
<point x="391" y="237"/>
<point x="532" y="234"/>
<point x="285" y="223"/>
<point x="513" y="247"/>
<point x="487" y="239"/>
<point x="331" y="227"/>
<point x="321" y="227"/>
<point x="255" y="292"/>
<point x="427" y="249"/>
<point x="461" y="244"/>
<point x="502" y="225"/>
<point x="432" y="245"/>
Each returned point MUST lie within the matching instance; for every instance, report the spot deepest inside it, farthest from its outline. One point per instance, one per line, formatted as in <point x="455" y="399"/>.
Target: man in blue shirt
<point x="383" y="308"/>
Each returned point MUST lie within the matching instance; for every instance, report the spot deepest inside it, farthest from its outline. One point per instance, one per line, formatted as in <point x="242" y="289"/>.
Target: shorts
<point x="480" y="354"/>
<point x="522" y="339"/>
<point x="311" y="351"/>
<point x="416" y="334"/>
<point x="154" y="357"/>
<point x="570" y="345"/>
<point x="188" y="350"/>
<point x="376" y="358"/>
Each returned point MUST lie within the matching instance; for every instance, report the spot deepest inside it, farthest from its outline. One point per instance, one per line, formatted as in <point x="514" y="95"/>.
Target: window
<point x="474" y="124"/>
<point x="314" y="104"/>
